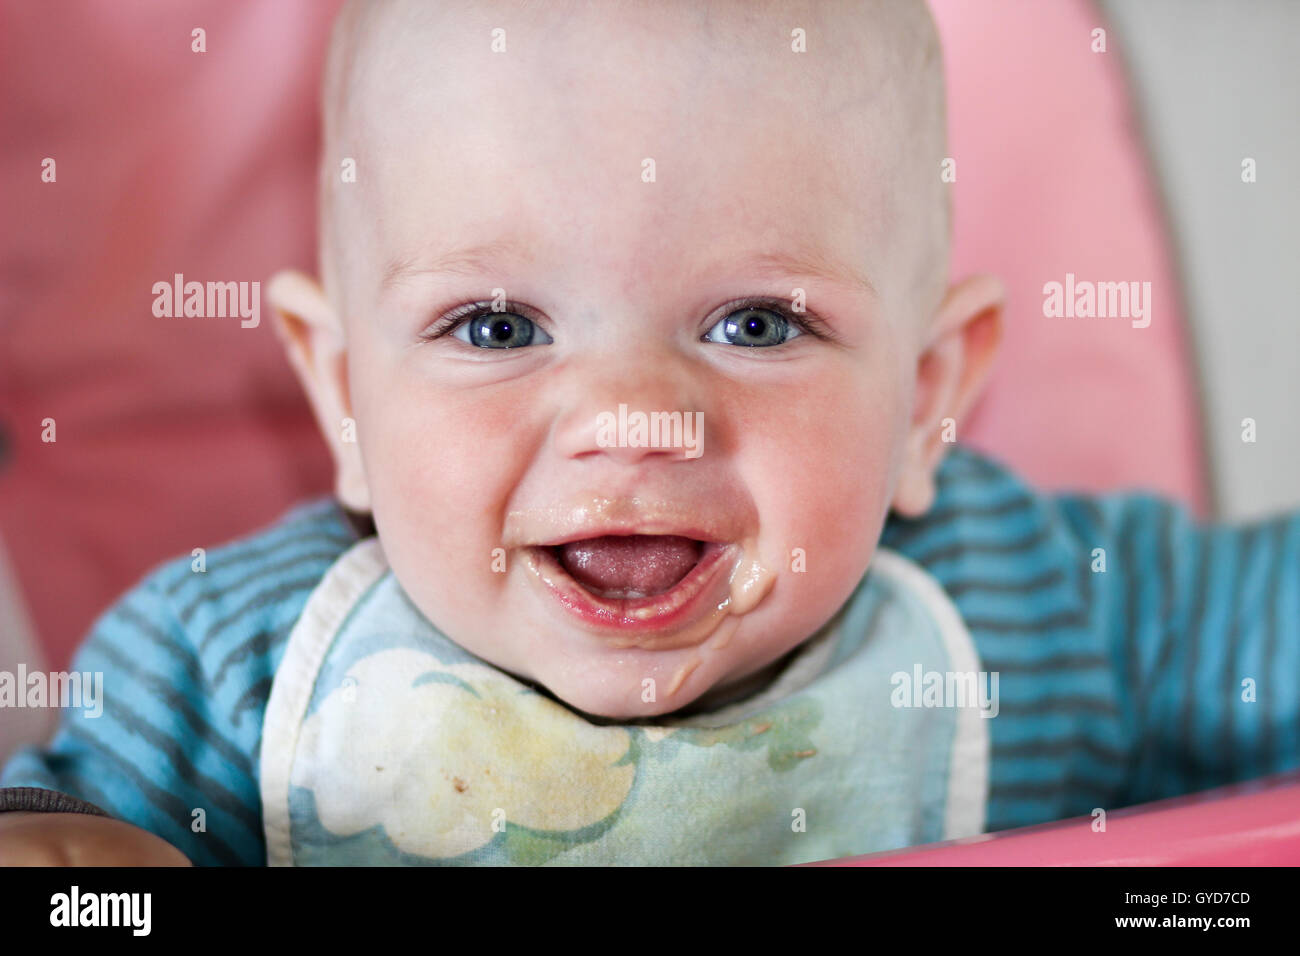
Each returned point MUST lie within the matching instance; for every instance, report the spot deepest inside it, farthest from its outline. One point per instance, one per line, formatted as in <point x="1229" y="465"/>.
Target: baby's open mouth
<point x="626" y="566"/>
<point x="644" y="590"/>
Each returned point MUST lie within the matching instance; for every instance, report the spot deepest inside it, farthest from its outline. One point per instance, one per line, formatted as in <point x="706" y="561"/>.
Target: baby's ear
<point x="950" y="374"/>
<point x="312" y="334"/>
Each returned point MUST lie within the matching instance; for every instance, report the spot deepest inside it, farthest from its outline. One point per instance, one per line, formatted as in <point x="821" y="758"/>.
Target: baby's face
<point x="648" y="199"/>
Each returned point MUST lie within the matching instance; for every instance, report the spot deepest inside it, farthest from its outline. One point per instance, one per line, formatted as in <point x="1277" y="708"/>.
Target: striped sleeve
<point x="1140" y="655"/>
<point x="1203" y="624"/>
<point x="186" y="659"/>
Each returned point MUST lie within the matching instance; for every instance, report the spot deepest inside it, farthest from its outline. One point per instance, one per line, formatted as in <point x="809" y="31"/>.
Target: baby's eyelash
<point x="805" y="321"/>
<point x="462" y="314"/>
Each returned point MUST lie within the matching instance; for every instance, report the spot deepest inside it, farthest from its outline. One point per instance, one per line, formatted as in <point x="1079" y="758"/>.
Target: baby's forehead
<point x="645" y="122"/>
<point x="822" y="57"/>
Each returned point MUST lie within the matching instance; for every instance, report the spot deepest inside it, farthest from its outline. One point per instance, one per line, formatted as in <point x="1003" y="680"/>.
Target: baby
<point x="635" y="342"/>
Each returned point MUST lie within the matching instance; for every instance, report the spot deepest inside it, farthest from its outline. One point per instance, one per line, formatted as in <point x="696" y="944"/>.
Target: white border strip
<point x="347" y="579"/>
<point x="968" y="769"/>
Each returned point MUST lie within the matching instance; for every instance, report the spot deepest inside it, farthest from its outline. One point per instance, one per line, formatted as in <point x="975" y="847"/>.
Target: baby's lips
<point x="596" y="516"/>
<point x="682" y="616"/>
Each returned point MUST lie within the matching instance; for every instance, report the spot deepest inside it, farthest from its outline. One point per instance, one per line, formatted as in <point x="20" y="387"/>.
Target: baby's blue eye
<point x="753" y="327"/>
<point x="500" y="330"/>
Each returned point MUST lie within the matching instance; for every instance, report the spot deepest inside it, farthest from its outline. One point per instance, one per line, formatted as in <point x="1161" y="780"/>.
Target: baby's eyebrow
<point x="478" y="258"/>
<point x="813" y="264"/>
<point x="467" y="260"/>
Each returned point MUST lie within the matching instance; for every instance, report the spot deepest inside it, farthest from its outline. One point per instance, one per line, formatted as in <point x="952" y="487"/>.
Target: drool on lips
<point x="645" y="564"/>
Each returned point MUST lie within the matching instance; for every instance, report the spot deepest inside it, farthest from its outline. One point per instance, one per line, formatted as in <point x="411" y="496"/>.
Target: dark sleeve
<point x="38" y="800"/>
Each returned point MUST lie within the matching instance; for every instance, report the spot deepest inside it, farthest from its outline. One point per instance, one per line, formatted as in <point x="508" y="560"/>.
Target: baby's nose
<point x="631" y="410"/>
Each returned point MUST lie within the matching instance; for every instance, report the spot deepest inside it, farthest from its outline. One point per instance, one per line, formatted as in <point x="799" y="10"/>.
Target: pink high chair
<point x="1256" y="823"/>
<point x="204" y="164"/>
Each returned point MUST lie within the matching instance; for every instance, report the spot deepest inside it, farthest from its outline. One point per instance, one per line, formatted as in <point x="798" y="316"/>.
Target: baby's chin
<point x="649" y="685"/>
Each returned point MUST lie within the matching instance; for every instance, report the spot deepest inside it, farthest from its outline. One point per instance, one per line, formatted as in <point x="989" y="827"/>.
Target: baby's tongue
<point x="643" y="563"/>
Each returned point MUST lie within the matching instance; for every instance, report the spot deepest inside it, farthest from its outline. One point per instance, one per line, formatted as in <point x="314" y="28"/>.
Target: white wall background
<point x="1216" y="81"/>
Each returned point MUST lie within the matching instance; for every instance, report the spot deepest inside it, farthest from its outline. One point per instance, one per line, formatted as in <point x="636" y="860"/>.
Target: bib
<point x="386" y="743"/>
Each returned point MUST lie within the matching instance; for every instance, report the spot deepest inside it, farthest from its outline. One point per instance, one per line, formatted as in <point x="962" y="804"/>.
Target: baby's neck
<point x="713" y="699"/>
<point x="736" y="691"/>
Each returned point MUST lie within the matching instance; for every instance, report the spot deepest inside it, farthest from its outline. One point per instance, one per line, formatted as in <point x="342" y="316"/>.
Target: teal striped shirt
<point x="1174" y="669"/>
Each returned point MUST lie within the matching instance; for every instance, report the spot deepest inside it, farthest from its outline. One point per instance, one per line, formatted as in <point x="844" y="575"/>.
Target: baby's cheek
<point x="434" y="442"/>
<point x="830" y="518"/>
<point x="407" y="474"/>
<point x="824" y="489"/>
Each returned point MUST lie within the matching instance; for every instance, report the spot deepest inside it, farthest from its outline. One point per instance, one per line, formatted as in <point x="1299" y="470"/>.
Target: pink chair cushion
<point x="1052" y="178"/>
<point x="180" y="433"/>
<point x="171" y="433"/>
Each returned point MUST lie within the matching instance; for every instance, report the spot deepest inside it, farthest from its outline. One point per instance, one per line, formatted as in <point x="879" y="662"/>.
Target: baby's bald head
<point x="435" y="101"/>
<point x="728" y="213"/>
